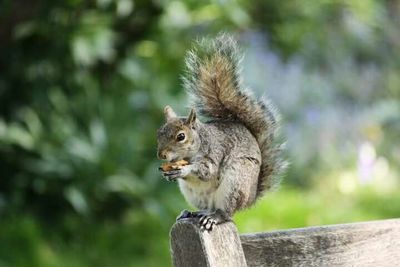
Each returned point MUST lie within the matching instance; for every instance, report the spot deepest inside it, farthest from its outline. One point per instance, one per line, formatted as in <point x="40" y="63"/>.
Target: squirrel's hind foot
<point x="185" y="214"/>
<point x="208" y="219"/>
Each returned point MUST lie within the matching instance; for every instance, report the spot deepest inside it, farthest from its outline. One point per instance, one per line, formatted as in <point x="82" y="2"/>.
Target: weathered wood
<point x="374" y="243"/>
<point x="193" y="247"/>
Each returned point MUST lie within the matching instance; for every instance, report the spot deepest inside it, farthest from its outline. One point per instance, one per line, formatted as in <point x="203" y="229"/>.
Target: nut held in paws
<point x="169" y="166"/>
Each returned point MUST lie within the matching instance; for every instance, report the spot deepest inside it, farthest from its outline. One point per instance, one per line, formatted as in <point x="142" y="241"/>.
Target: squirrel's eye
<point x="180" y="137"/>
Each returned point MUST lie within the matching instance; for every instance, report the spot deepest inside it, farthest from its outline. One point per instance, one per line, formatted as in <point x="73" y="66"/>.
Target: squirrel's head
<point x="177" y="138"/>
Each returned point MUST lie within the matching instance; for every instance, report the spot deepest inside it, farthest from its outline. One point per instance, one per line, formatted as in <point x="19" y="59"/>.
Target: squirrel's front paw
<point x="178" y="173"/>
<point x="171" y="176"/>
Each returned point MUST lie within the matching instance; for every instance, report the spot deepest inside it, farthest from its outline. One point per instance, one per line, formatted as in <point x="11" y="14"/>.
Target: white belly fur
<point x="204" y="195"/>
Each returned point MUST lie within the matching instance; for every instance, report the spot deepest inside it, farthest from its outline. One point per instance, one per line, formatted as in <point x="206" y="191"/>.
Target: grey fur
<point x="233" y="157"/>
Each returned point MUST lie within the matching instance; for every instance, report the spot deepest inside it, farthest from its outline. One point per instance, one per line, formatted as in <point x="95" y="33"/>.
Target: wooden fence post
<point x="194" y="247"/>
<point x="375" y="243"/>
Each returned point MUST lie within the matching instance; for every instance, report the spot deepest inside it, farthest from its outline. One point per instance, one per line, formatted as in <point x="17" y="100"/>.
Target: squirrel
<point x="234" y="157"/>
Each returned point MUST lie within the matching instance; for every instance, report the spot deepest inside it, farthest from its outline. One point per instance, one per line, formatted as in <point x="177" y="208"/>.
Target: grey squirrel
<point x="233" y="157"/>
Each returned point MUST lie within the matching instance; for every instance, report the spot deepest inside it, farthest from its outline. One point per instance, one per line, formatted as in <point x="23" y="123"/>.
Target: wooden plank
<point x="194" y="247"/>
<point x="375" y="243"/>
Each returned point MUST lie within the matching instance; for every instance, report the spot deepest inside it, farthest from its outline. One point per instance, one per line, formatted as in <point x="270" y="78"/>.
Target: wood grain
<point x="193" y="247"/>
<point x="375" y="243"/>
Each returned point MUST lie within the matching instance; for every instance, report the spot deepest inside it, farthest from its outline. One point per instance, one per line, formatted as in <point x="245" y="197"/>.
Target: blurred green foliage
<point x="83" y="84"/>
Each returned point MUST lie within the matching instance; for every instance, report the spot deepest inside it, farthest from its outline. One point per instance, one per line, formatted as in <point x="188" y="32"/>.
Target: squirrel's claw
<point x="207" y="223"/>
<point x="185" y="214"/>
<point x="172" y="175"/>
<point x="182" y="172"/>
<point x="208" y="219"/>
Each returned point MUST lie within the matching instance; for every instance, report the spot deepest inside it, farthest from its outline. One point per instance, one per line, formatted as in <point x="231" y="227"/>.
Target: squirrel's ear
<point x="169" y="113"/>
<point x="191" y="118"/>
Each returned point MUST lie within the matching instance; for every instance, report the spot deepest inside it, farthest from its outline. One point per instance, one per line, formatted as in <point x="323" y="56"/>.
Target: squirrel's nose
<point x="162" y="155"/>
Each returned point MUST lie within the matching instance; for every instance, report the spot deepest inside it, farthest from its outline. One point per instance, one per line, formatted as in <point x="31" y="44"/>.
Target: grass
<point x="292" y="208"/>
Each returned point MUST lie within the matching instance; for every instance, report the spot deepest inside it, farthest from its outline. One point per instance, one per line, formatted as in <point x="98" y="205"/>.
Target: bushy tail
<point x="213" y="81"/>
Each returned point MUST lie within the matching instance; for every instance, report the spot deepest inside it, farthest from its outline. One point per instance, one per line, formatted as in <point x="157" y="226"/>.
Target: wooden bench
<point x="375" y="243"/>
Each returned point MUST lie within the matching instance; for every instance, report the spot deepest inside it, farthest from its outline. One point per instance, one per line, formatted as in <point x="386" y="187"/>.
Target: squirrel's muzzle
<point x="162" y="154"/>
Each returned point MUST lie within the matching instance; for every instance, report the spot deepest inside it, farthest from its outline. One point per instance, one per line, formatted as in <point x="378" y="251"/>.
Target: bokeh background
<point x="83" y="84"/>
